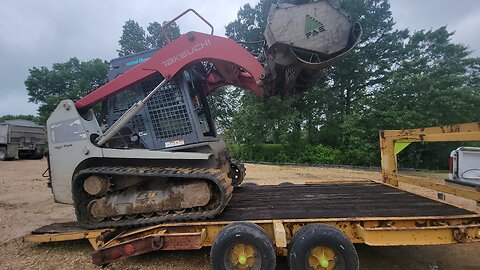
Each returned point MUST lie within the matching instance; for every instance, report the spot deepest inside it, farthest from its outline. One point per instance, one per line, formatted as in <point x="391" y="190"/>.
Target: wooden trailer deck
<point x="366" y="212"/>
<point x="373" y="213"/>
<point x="355" y="200"/>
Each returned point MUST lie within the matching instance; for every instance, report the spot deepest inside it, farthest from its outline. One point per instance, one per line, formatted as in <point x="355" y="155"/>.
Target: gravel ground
<point x="26" y="203"/>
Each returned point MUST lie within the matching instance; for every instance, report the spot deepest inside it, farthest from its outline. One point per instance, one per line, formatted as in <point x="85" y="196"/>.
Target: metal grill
<point x="121" y="103"/>
<point x="166" y="117"/>
<point x="168" y="111"/>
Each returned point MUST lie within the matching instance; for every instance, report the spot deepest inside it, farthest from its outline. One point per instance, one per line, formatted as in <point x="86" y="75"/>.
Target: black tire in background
<point x="23" y="155"/>
<point x="243" y="233"/>
<point x="38" y="154"/>
<point x="321" y="235"/>
<point x="3" y="153"/>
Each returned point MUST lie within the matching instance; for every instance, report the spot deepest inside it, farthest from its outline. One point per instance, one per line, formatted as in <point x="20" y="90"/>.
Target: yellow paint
<point x="279" y="234"/>
<point x="394" y="141"/>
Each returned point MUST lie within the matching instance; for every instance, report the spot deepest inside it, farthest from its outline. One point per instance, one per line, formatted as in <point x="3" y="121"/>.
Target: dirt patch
<point x="26" y="203"/>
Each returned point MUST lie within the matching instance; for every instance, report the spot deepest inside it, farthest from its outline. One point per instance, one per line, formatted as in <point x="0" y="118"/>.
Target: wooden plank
<point x="252" y="202"/>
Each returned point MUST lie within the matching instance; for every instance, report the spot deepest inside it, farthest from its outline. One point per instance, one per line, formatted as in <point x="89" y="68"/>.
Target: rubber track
<point x="81" y="198"/>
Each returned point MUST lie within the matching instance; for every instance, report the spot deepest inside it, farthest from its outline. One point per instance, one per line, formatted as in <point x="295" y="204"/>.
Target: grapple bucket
<point x="302" y="40"/>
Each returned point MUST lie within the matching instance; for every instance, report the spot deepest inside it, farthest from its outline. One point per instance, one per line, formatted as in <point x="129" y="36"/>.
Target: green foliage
<point x="70" y="80"/>
<point x="250" y="24"/>
<point x="309" y="154"/>
<point x="394" y="79"/>
<point x="29" y="117"/>
<point x="134" y="39"/>
<point x="224" y="103"/>
<point x="155" y="37"/>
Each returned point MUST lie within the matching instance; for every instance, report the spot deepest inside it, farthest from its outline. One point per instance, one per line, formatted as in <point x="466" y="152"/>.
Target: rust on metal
<point x="388" y="138"/>
<point x="140" y="242"/>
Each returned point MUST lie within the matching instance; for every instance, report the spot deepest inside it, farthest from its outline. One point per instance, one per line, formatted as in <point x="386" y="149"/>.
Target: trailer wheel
<point x="322" y="247"/>
<point x="3" y="153"/>
<point x="243" y="245"/>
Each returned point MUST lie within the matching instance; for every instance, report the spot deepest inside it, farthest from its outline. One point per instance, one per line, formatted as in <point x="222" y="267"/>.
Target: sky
<point x="40" y="33"/>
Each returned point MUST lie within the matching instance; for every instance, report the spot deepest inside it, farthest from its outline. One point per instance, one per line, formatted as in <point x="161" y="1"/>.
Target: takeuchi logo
<point x="195" y="48"/>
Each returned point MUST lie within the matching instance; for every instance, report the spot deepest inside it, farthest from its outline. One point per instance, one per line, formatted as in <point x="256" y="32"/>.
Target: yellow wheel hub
<point x="322" y="257"/>
<point x="243" y="256"/>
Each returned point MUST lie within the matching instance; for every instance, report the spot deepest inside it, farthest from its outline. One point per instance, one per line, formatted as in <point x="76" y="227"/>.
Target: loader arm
<point x="232" y="65"/>
<point x="300" y="42"/>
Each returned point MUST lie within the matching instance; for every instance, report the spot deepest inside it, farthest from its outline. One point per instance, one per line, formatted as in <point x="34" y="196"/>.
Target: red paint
<point x="235" y="64"/>
<point x="128" y="249"/>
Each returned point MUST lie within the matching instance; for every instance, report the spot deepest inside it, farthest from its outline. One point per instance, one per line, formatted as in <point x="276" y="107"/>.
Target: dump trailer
<point x="21" y="139"/>
<point x="314" y="224"/>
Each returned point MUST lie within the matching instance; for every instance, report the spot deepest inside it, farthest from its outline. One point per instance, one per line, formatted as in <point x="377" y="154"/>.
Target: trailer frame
<point x="454" y="224"/>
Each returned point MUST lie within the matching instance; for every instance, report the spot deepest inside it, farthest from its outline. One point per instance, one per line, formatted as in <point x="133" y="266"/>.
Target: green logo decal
<point x="313" y="26"/>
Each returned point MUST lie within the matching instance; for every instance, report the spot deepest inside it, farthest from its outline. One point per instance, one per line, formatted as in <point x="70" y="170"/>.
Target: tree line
<point x="394" y="79"/>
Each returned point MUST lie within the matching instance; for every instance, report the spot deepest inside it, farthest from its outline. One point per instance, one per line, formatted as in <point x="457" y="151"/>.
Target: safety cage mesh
<point x="167" y="109"/>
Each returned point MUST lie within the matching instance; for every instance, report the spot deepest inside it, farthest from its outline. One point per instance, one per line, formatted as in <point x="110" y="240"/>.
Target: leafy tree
<point x="357" y="77"/>
<point x="133" y="39"/>
<point x="156" y="39"/>
<point x="394" y="79"/>
<point x="70" y="80"/>
<point x="435" y="84"/>
<point x="224" y="103"/>
<point x="250" y="25"/>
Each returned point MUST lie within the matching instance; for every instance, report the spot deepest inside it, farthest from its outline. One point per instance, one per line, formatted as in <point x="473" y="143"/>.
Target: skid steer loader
<point x="159" y="159"/>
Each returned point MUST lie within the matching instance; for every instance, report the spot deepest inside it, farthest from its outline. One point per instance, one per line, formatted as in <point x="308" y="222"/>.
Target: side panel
<point x="12" y="151"/>
<point x="27" y="137"/>
<point x="68" y="145"/>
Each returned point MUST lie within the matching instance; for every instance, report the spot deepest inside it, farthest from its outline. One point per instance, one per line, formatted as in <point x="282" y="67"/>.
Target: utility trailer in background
<point x="21" y="139"/>
<point x="315" y="224"/>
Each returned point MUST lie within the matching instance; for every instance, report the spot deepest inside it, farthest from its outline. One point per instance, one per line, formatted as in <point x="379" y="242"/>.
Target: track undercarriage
<point x="113" y="196"/>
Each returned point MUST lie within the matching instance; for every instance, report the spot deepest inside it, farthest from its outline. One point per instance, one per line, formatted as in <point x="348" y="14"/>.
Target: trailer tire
<point x="323" y="245"/>
<point x="246" y="242"/>
<point x="3" y="153"/>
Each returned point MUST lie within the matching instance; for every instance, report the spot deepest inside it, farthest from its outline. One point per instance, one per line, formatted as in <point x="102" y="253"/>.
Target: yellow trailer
<point x="314" y="224"/>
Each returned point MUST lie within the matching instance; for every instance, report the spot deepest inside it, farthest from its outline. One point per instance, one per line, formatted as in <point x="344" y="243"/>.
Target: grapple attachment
<point x="302" y="40"/>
